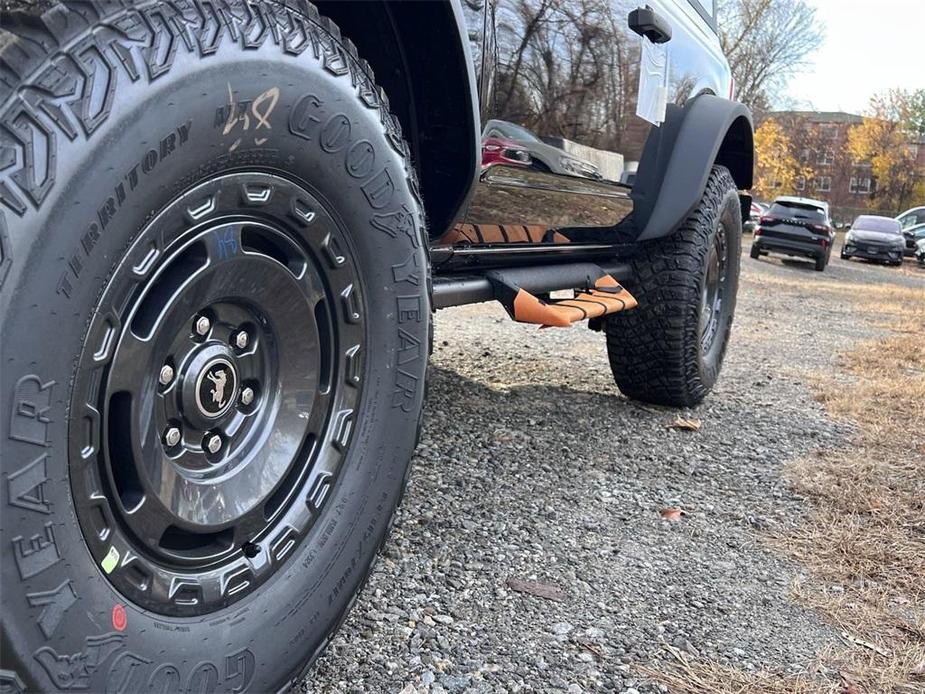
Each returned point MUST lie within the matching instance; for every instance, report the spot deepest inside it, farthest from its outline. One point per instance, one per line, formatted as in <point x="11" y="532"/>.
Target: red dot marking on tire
<point x="119" y="618"/>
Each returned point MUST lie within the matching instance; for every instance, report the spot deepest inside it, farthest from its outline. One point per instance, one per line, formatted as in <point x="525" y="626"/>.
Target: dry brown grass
<point x="866" y="536"/>
<point x="696" y="677"/>
<point x="881" y="302"/>
<point x="864" y="541"/>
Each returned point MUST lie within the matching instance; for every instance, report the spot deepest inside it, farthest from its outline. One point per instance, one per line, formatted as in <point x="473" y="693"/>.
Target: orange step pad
<point x="608" y="296"/>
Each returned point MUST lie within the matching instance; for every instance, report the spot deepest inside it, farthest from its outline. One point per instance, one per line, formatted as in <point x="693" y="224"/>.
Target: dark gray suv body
<point x="796" y="226"/>
<point x="875" y="238"/>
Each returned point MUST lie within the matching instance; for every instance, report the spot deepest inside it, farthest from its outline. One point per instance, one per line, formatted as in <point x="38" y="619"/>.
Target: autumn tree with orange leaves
<point x="895" y="119"/>
<point x="777" y="167"/>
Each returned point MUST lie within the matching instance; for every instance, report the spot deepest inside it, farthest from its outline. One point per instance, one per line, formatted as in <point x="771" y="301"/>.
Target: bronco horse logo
<point x="219" y="378"/>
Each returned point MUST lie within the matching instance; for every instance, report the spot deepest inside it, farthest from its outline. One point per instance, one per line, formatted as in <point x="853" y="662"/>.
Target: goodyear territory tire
<point x="669" y="350"/>
<point x="215" y="323"/>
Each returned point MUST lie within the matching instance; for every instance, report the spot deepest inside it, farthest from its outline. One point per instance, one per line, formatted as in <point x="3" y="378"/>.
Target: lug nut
<point x="165" y="377"/>
<point x="247" y="396"/>
<point x="203" y="325"/>
<point x="213" y="443"/>
<point x="240" y="339"/>
<point x="172" y="436"/>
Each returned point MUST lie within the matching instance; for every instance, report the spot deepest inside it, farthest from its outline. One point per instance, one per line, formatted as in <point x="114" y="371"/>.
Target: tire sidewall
<point x="725" y="216"/>
<point x="57" y="601"/>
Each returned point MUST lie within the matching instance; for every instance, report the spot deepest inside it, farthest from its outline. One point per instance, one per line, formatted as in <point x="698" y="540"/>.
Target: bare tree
<point x="566" y="68"/>
<point x="766" y="41"/>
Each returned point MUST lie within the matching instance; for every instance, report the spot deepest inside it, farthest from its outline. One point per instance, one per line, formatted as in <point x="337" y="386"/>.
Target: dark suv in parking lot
<point x="796" y="227"/>
<point x="875" y="238"/>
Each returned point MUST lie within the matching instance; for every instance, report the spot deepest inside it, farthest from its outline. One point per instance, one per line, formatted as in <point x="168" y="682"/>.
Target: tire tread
<point x="650" y="347"/>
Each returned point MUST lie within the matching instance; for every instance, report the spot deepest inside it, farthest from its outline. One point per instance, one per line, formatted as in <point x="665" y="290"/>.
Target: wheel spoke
<point x="223" y="243"/>
<point x="131" y="369"/>
<point x="150" y="520"/>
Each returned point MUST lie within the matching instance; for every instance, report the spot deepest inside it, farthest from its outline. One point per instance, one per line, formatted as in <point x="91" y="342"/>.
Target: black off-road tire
<point x="656" y="350"/>
<point x="128" y="129"/>
<point x="755" y="252"/>
<point x="820" y="263"/>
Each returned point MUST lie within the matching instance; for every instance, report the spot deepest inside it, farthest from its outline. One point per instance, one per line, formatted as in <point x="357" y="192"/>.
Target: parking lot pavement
<point x="533" y="467"/>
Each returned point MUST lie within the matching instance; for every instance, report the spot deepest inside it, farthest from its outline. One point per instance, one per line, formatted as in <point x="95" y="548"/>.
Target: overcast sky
<point x="869" y="46"/>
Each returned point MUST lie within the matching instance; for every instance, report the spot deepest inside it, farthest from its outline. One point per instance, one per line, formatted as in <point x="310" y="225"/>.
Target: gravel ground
<point x="532" y="466"/>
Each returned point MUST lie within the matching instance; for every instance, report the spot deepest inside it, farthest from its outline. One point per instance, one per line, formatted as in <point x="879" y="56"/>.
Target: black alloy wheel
<point x="210" y="379"/>
<point x="715" y="288"/>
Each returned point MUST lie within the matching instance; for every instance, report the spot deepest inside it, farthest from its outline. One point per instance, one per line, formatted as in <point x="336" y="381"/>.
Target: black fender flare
<point x="420" y="54"/>
<point x="678" y="156"/>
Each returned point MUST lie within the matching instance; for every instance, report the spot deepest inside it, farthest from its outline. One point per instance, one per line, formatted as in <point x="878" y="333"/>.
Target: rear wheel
<point x="821" y="261"/>
<point x="755" y="252"/>
<point x="215" y="328"/>
<point x="670" y="348"/>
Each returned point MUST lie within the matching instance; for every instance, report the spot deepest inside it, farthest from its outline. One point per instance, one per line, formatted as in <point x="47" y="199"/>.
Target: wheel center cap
<point x="216" y="386"/>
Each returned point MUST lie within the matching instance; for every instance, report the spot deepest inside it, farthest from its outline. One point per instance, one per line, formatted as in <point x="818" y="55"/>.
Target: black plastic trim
<point x="679" y="155"/>
<point x="647" y="22"/>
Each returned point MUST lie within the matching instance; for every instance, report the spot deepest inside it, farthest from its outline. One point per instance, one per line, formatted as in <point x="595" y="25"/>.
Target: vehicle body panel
<point x="497" y="150"/>
<point x="910" y="234"/>
<point x="756" y="211"/>
<point x="571" y="77"/>
<point x="911" y="217"/>
<point x="545" y="157"/>
<point x="911" y="220"/>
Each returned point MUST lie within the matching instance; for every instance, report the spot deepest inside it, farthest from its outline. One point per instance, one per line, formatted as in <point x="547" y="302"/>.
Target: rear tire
<point x="820" y="263"/>
<point x="670" y="348"/>
<point x="755" y="252"/>
<point x="197" y="203"/>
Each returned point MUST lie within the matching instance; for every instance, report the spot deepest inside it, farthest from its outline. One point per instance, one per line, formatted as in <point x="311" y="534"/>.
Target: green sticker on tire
<point x="111" y="560"/>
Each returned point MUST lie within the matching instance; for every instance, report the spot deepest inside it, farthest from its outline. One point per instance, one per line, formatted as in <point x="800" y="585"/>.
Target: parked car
<point x="796" y="226"/>
<point x="756" y="212"/>
<point x="874" y="238"/>
<point x="496" y="150"/>
<point x="544" y="157"/>
<point x="221" y="246"/>
<point x="920" y="249"/>
<point x="911" y="221"/>
<point x="910" y="234"/>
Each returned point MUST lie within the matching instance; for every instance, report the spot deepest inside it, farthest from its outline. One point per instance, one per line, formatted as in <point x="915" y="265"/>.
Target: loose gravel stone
<point x="533" y="467"/>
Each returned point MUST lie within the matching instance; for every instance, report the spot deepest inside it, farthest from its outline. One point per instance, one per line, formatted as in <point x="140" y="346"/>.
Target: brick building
<point x="820" y="141"/>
